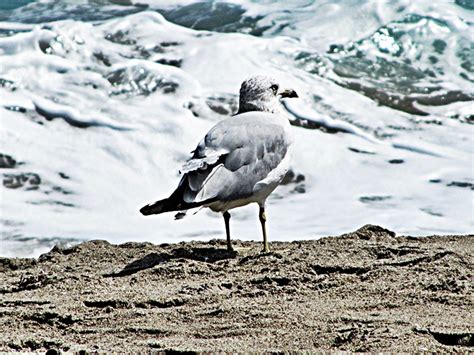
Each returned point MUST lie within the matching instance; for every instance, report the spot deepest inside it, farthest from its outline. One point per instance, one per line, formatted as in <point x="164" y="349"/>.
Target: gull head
<point x="262" y="93"/>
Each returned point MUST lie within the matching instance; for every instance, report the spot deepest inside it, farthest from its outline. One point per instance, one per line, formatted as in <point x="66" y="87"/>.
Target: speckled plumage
<point x="259" y="93"/>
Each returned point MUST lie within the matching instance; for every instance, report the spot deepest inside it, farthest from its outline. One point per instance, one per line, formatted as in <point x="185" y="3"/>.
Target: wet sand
<point x="364" y="291"/>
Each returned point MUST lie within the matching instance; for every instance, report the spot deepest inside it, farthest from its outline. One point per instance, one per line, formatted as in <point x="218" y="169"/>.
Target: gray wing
<point x="233" y="157"/>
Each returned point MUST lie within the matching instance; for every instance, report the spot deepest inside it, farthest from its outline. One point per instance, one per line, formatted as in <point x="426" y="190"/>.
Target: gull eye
<point x="274" y="88"/>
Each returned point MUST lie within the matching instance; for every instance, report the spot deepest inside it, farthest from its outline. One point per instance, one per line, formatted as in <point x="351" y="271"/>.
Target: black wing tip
<point x="146" y="210"/>
<point x="180" y="215"/>
<point x="157" y="207"/>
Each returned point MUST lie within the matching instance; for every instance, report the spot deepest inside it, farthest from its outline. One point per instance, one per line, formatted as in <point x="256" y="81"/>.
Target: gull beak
<point x="288" y="93"/>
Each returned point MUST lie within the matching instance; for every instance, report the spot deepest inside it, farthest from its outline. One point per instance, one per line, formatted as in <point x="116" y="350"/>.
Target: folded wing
<point x="227" y="164"/>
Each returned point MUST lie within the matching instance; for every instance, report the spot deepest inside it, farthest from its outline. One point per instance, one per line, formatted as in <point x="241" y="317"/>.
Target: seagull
<point x="241" y="160"/>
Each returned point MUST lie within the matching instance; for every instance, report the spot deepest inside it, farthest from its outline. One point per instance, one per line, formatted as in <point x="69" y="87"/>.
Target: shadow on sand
<point x="209" y="255"/>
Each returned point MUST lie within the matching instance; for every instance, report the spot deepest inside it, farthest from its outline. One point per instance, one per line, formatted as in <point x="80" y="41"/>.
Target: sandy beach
<point x="364" y="291"/>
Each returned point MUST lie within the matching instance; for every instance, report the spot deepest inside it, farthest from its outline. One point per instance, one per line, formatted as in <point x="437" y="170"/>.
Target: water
<point x="102" y="101"/>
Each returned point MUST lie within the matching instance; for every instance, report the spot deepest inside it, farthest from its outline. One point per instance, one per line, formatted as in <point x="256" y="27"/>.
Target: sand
<point x="364" y="291"/>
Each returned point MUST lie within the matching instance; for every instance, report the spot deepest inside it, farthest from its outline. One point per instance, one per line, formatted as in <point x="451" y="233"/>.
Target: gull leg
<point x="263" y="219"/>
<point x="227" y="230"/>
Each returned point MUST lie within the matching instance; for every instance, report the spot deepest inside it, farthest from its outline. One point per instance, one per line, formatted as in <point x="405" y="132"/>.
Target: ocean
<point x="102" y="101"/>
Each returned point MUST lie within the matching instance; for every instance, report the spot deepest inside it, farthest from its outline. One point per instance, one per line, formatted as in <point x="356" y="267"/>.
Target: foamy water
<point x="101" y="103"/>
